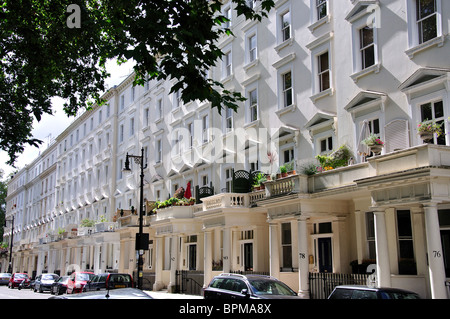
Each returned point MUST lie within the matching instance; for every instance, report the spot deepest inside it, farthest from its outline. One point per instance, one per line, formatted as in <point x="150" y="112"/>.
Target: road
<point x="6" y="293"/>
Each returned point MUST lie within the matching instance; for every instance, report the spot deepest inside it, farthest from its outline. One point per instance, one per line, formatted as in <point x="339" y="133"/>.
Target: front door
<point x="248" y="256"/>
<point x="445" y="238"/>
<point x="325" y="255"/>
<point x="192" y="257"/>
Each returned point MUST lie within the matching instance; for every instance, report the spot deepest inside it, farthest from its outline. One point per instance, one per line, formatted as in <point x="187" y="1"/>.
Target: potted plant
<point x="283" y="171"/>
<point x="374" y="143"/>
<point x="290" y="168"/>
<point x="258" y="181"/>
<point x="427" y="129"/>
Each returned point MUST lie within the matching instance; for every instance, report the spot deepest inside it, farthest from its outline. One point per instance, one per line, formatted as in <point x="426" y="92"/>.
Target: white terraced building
<point x="316" y="75"/>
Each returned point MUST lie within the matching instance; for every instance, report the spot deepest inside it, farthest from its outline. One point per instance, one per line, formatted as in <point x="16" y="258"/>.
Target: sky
<point x="51" y="126"/>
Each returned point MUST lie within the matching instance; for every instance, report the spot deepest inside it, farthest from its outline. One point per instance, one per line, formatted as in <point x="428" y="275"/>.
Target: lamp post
<point x="141" y="238"/>
<point x="11" y="244"/>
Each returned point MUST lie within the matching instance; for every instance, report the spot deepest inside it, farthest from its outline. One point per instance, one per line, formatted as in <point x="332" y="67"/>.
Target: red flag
<point x="187" y="193"/>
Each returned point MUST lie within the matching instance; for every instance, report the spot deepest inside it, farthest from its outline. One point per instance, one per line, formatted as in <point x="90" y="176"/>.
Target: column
<point x="434" y="248"/>
<point x="381" y="247"/>
<point x="227" y="250"/>
<point x="97" y="258"/>
<point x="360" y="237"/>
<point x="274" y="252"/>
<point x="207" y="258"/>
<point x="303" y="260"/>
<point x="173" y="264"/>
<point x="159" y="264"/>
<point x="84" y="257"/>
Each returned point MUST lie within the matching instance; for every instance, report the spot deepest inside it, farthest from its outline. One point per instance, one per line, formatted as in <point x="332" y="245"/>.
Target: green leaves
<point x="40" y="57"/>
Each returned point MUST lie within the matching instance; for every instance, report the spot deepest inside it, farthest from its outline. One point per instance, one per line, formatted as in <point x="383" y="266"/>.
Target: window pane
<point x="404" y="223"/>
<point x="426" y="112"/>
<point x="428" y="29"/>
<point x="438" y="109"/>
<point x="425" y="8"/>
<point x="323" y="62"/>
<point x="323" y="145"/>
<point x="285" y="233"/>
<point x="368" y="57"/>
<point x="366" y="36"/>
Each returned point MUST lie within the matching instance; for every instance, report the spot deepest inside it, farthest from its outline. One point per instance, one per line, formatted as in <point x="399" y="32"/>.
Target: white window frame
<point x="416" y="103"/>
<point x="359" y="21"/>
<point x="158" y="148"/>
<point x="251" y="49"/>
<point x="285" y="89"/>
<point x="228" y="124"/>
<point x="319" y="47"/>
<point x="205" y="128"/>
<point x="281" y="11"/>
<point x="413" y="29"/>
<point x="252" y="106"/>
<point x="227" y="63"/>
<point x="227" y="12"/>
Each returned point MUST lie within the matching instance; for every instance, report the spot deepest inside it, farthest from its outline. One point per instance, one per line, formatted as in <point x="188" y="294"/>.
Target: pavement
<point x="163" y="294"/>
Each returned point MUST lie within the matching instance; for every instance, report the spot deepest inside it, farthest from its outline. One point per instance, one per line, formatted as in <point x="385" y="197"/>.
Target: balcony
<point x="105" y="227"/>
<point x="125" y="218"/>
<point x="226" y="200"/>
<point x="176" y="212"/>
<point x="390" y="169"/>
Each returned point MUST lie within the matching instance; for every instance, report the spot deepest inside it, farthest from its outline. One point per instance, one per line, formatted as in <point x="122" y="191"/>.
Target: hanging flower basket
<point x="374" y="143"/>
<point x="427" y="129"/>
<point x="376" y="149"/>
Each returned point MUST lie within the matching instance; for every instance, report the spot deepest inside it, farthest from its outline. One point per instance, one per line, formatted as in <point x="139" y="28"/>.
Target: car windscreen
<point x="49" y="277"/>
<point x="398" y="295"/>
<point x="120" y="278"/>
<point x="85" y="276"/>
<point x="270" y="287"/>
<point x="21" y="276"/>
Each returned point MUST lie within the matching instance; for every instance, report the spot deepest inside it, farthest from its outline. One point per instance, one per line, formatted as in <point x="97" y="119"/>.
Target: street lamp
<point x="11" y="244"/>
<point x="142" y="239"/>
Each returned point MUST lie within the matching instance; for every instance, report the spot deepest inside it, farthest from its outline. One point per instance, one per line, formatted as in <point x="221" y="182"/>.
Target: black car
<point x="124" y="293"/>
<point x="44" y="282"/>
<point x="234" y="286"/>
<point x="59" y="286"/>
<point x="364" y="292"/>
<point x="109" y="281"/>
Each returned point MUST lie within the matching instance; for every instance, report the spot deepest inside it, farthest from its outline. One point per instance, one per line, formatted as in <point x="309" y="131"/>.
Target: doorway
<point x="324" y="254"/>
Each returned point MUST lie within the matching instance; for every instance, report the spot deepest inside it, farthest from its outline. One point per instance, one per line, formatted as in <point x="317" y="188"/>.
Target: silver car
<point x="4" y="278"/>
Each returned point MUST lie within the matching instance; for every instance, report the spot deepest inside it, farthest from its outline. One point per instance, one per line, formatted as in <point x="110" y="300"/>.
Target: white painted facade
<point x="310" y="84"/>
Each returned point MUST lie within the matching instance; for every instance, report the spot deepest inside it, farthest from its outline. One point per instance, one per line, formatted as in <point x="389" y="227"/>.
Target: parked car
<point x="234" y="286"/>
<point x="4" y="278"/>
<point x="77" y="280"/>
<point x="109" y="281"/>
<point x="44" y="282"/>
<point x="59" y="286"/>
<point x="125" y="293"/>
<point x="17" y="278"/>
<point x="364" y="292"/>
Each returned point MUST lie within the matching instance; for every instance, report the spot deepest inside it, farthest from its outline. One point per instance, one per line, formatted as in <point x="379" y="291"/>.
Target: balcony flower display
<point x="372" y="140"/>
<point x="374" y="143"/>
<point x="427" y="129"/>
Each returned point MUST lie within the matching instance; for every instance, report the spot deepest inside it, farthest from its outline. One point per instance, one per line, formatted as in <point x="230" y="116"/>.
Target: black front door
<point x="248" y="257"/>
<point x="192" y="257"/>
<point x="445" y="238"/>
<point x="325" y="256"/>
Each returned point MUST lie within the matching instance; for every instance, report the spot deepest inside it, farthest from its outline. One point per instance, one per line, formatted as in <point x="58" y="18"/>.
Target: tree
<point x="59" y="48"/>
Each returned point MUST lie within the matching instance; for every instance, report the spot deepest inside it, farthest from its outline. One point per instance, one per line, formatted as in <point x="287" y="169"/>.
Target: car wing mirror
<point x="245" y="293"/>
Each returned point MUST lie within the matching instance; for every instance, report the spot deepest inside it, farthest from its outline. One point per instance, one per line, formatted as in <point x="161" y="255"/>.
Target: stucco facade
<point x="313" y="73"/>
